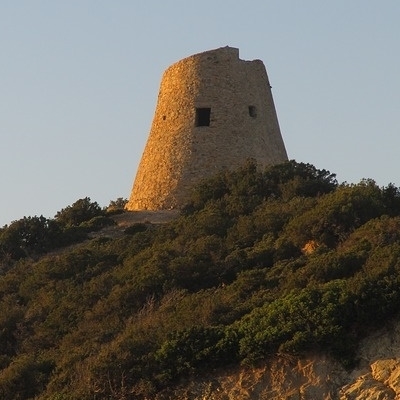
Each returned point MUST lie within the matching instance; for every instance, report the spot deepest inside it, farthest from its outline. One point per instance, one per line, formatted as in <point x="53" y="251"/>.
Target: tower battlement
<point x="214" y="112"/>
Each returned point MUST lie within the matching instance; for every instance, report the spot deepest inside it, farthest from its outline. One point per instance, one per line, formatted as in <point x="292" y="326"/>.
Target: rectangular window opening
<point x="203" y="116"/>
<point x="253" y="111"/>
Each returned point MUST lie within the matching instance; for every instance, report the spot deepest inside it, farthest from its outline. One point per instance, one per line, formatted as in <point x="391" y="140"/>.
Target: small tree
<point x="80" y="211"/>
<point x="29" y="236"/>
<point x="117" y="206"/>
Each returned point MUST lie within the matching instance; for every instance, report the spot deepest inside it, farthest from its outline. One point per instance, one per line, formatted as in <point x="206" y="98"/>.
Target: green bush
<point x="80" y="211"/>
<point x="136" y="228"/>
<point x="283" y="260"/>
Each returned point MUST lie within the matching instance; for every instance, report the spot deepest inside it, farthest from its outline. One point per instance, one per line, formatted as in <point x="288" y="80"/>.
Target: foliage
<point x="80" y="211"/>
<point x="260" y="262"/>
<point x="117" y="206"/>
<point x="246" y="188"/>
<point x="29" y="236"/>
<point x="136" y="228"/>
<point x="34" y="236"/>
<point x="311" y="318"/>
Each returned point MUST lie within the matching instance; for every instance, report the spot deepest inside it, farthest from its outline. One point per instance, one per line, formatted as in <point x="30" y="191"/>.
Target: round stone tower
<point x="214" y="112"/>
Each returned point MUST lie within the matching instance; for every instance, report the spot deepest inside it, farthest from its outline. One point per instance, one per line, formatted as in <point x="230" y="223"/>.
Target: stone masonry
<point x="214" y="112"/>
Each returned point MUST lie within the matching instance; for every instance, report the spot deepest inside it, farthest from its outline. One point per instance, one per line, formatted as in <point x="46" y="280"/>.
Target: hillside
<point x="259" y="267"/>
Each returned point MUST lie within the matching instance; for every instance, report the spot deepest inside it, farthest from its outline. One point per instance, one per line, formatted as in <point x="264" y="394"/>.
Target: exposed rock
<point x="283" y="378"/>
<point x="312" y="378"/>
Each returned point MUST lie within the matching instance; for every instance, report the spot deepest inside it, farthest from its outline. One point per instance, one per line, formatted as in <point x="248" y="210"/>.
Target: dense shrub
<point x="282" y="260"/>
<point x="80" y="211"/>
<point x="29" y="236"/>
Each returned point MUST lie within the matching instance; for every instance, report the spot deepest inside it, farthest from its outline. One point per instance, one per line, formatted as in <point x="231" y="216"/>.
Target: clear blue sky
<point x="79" y="81"/>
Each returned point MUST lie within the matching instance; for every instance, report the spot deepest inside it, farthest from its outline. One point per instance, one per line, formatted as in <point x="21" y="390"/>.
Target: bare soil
<point x="128" y="218"/>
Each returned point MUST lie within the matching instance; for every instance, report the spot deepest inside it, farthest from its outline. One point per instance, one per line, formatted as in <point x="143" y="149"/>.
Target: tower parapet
<point x="214" y="112"/>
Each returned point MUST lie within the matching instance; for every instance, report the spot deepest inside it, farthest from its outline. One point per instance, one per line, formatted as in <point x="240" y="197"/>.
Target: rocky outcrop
<point x="378" y="374"/>
<point x="382" y="382"/>
<point x="315" y="377"/>
<point x="281" y="378"/>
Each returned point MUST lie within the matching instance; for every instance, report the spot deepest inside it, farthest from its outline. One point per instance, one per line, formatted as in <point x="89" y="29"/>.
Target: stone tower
<point x="214" y="112"/>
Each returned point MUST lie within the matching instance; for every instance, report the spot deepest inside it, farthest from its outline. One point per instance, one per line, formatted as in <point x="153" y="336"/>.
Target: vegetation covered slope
<point x="259" y="262"/>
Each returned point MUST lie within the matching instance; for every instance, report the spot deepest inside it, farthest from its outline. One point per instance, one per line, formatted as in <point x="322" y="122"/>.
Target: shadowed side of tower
<point x="214" y="112"/>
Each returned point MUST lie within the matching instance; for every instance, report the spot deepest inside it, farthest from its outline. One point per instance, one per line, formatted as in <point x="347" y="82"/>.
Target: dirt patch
<point x="129" y="218"/>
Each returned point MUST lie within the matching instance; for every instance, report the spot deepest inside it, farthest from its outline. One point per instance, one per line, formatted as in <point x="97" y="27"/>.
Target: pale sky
<point x="79" y="81"/>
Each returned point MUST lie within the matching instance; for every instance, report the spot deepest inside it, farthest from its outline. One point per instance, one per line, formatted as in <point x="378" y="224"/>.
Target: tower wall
<point x="231" y="99"/>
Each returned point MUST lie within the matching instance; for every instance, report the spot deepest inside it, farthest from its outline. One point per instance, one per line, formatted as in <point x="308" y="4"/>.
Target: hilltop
<point x="278" y="270"/>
